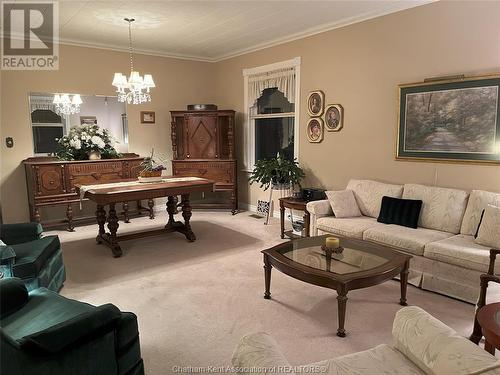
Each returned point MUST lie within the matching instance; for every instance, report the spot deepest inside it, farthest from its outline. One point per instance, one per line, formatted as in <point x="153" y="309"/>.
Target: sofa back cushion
<point x="369" y="194"/>
<point x="442" y="209"/>
<point x="478" y="201"/>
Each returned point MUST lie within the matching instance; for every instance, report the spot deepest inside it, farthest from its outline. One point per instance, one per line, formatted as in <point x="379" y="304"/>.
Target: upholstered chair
<point x="34" y="258"/>
<point x="44" y="333"/>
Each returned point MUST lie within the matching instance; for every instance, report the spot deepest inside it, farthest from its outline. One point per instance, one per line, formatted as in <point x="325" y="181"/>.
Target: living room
<point x="340" y="86"/>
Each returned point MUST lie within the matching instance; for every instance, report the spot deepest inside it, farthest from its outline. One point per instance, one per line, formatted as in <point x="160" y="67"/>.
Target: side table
<point x="294" y="204"/>
<point x="488" y="317"/>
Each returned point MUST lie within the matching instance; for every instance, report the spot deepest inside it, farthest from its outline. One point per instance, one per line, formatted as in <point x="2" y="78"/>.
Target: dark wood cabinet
<point x="51" y="181"/>
<point x="203" y="146"/>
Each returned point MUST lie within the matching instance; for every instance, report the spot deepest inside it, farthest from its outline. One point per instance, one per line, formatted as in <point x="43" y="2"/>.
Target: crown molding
<point x="397" y="7"/>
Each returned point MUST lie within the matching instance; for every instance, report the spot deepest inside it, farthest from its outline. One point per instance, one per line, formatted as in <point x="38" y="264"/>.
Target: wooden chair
<point x="477" y="334"/>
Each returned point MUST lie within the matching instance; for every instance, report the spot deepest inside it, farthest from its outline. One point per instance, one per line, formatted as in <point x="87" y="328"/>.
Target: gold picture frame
<point x="334" y="117"/>
<point x="316" y="103"/>
<point x="315" y="130"/>
<point x="147" y="117"/>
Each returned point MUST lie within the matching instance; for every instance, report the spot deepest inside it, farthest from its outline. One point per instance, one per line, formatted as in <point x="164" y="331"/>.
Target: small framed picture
<point x="315" y="130"/>
<point x="88" y="120"/>
<point x="334" y="117"/>
<point x="316" y="103"/>
<point x="147" y="117"/>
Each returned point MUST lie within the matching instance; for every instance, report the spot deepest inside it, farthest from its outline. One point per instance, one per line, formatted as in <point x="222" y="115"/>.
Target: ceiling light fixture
<point x="135" y="90"/>
<point x="66" y="105"/>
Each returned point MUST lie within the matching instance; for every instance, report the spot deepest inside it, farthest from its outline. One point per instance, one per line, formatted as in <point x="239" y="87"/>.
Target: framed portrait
<point x="316" y="103"/>
<point x="315" y="130"/>
<point x="334" y="117"/>
<point x="455" y="120"/>
<point x="88" y="120"/>
<point x="147" y="117"/>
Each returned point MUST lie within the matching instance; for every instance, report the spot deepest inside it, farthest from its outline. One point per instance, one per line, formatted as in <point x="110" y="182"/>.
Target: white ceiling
<point x="210" y="30"/>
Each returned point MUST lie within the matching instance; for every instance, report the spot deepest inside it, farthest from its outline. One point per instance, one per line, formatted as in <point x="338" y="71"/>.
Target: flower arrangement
<point x="151" y="166"/>
<point x="84" y="140"/>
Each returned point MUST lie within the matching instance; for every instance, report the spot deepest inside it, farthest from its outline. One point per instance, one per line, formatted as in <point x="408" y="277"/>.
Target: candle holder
<point x="333" y="250"/>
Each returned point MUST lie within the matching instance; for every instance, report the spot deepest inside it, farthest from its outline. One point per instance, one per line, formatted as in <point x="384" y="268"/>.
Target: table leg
<point x="489" y="348"/>
<point x="151" y="204"/>
<point x="186" y="214"/>
<point x="282" y="220"/>
<point x="171" y="209"/>
<point x="267" y="276"/>
<point x="69" y="216"/>
<point x="307" y="222"/>
<point x="126" y="218"/>
<point x="342" y="305"/>
<point x="101" y="220"/>
<point x="404" y="283"/>
<point x="113" y="228"/>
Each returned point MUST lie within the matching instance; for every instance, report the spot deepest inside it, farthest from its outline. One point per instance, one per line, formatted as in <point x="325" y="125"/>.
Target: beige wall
<point x="90" y="71"/>
<point x="360" y="67"/>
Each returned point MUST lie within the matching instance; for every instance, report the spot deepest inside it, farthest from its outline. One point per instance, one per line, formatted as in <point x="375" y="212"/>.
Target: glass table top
<point x="356" y="256"/>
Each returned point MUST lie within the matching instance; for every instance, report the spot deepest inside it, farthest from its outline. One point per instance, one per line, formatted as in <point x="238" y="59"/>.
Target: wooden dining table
<point x="110" y="194"/>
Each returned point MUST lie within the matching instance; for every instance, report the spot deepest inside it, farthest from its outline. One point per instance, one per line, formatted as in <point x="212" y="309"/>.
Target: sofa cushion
<point x="348" y="227"/>
<point x="489" y="230"/>
<point x="442" y="209"/>
<point x="369" y="194"/>
<point x="32" y="256"/>
<point x="407" y="239"/>
<point x="460" y="250"/>
<point x="381" y="359"/>
<point x="478" y="201"/>
<point x="343" y="203"/>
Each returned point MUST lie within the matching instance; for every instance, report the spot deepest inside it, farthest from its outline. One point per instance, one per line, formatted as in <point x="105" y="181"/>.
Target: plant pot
<point x="150" y="174"/>
<point x="94" y="155"/>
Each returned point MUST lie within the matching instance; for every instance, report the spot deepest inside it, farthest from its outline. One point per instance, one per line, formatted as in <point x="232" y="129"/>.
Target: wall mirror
<point x="47" y="124"/>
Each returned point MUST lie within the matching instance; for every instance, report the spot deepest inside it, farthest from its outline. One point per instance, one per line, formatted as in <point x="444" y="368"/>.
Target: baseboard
<point x="275" y="213"/>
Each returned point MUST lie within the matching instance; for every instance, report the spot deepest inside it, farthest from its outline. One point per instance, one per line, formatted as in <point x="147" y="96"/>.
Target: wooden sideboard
<point x="203" y="146"/>
<point x="51" y="182"/>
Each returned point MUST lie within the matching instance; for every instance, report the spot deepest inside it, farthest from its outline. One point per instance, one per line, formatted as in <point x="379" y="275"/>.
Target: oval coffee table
<point x="488" y="317"/>
<point x="360" y="265"/>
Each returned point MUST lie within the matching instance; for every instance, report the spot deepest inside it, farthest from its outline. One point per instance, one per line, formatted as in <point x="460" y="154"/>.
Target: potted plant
<point x="151" y="168"/>
<point x="277" y="172"/>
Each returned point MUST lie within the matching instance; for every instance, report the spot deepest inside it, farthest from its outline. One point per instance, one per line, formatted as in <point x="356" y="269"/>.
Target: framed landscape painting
<point x="456" y="120"/>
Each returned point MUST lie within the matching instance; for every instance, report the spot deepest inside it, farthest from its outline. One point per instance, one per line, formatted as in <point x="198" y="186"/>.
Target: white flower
<point x="76" y="144"/>
<point x="98" y="141"/>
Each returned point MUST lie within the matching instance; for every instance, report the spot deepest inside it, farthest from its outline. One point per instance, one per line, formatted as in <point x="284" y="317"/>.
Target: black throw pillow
<point x="479" y="225"/>
<point x="397" y="211"/>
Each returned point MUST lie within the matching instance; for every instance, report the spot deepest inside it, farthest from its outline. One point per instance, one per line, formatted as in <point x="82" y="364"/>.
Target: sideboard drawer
<point x="95" y="173"/>
<point x="222" y="172"/>
<point x="49" y="179"/>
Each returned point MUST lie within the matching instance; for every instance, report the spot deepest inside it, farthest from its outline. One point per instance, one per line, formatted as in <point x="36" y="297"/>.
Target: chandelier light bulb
<point x="66" y="105"/>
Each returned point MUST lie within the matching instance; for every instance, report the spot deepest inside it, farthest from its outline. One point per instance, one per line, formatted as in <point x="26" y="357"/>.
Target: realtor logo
<point x="30" y="35"/>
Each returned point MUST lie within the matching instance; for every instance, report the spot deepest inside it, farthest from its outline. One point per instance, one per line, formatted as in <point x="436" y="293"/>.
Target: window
<point x="271" y="98"/>
<point x="47" y="126"/>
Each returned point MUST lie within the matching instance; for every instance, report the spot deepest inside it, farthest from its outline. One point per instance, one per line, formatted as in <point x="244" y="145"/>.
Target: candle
<point x="332" y="242"/>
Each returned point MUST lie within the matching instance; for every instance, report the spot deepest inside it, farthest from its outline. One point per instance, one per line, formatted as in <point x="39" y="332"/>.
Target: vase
<point x="94" y="155"/>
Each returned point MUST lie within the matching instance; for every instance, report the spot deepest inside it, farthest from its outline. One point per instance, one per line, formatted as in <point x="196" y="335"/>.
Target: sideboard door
<point x="201" y="136"/>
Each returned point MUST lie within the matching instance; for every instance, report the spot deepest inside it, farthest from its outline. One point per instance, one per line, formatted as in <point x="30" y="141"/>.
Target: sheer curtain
<point x="283" y="79"/>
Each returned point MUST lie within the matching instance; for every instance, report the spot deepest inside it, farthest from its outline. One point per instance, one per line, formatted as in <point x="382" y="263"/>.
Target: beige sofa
<point x="445" y="257"/>
<point x="422" y="345"/>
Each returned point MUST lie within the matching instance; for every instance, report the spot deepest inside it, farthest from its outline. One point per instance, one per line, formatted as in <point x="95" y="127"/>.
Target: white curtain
<point x="42" y="102"/>
<point x="283" y="79"/>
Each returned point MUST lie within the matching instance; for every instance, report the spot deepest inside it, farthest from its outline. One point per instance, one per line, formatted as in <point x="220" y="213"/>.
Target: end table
<point x="294" y="204"/>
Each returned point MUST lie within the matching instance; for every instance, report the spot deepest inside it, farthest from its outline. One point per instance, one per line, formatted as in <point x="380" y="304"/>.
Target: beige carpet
<point x="195" y="300"/>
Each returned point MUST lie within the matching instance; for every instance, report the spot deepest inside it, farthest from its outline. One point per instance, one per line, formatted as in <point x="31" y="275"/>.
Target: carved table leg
<point x="139" y="207"/>
<point x="171" y="209"/>
<point x="126" y="218"/>
<point x="267" y="277"/>
<point x="282" y="220"/>
<point x="234" y="211"/>
<point x="186" y="214"/>
<point x="307" y="223"/>
<point x="151" y="204"/>
<point x="342" y="305"/>
<point x="101" y="220"/>
<point x="36" y="215"/>
<point x="69" y="216"/>
<point x="404" y="283"/>
<point x="113" y="227"/>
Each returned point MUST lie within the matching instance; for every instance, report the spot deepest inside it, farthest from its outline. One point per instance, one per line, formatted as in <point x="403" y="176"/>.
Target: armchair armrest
<point x="91" y="324"/>
<point x="13" y="234"/>
<point x="259" y="351"/>
<point x="436" y="348"/>
<point x="13" y="295"/>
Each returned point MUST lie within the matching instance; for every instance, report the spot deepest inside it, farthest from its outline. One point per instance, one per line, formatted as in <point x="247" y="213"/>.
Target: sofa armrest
<point x="259" y="353"/>
<point x="13" y="295"/>
<point x="316" y="210"/>
<point x="436" y="348"/>
<point x="13" y="234"/>
<point x="88" y="325"/>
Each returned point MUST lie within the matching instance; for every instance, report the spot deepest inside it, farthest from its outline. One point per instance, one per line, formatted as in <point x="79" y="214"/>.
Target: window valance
<point x="283" y="79"/>
<point x="42" y="102"/>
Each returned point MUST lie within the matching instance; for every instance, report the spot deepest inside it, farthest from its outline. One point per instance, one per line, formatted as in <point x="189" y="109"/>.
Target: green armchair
<point x="37" y="260"/>
<point x="43" y="333"/>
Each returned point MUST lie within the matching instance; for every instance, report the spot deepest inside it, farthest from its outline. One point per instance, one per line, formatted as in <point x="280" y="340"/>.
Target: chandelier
<point x="66" y="105"/>
<point x="135" y="90"/>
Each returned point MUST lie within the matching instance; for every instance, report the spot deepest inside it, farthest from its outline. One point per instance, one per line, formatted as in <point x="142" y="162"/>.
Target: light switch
<point x="9" y="142"/>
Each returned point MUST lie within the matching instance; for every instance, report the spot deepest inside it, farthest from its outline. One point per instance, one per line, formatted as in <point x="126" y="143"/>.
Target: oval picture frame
<point x="334" y="117"/>
<point x="316" y="103"/>
<point x="315" y="130"/>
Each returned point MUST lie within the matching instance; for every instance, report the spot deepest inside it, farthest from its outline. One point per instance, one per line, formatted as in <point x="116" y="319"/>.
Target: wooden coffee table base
<point x="111" y="239"/>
